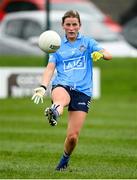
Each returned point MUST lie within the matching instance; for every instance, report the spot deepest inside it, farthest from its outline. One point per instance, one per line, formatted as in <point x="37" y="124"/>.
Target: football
<point x="49" y="41"/>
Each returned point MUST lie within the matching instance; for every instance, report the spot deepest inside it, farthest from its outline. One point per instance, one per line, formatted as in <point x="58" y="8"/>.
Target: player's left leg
<point x="75" y="123"/>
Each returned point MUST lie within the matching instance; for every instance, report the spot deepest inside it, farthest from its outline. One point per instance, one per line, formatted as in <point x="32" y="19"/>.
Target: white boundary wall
<point x="20" y="81"/>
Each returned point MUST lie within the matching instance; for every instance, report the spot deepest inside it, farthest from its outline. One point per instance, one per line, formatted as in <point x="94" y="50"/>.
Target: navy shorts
<point x="78" y="100"/>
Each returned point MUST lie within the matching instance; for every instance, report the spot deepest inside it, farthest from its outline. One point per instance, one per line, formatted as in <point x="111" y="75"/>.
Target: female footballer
<point x="72" y="86"/>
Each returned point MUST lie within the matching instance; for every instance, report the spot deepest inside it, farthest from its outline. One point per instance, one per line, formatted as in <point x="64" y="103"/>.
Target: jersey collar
<point x="78" y="37"/>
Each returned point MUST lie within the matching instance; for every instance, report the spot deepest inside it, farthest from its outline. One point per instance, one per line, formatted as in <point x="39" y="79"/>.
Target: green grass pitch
<point x="107" y="148"/>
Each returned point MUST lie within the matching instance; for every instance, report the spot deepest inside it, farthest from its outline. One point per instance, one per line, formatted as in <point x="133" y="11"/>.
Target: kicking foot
<point x="52" y="114"/>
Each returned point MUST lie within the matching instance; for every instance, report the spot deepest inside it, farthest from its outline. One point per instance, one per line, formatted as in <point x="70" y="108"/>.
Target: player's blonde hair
<point x="71" y="13"/>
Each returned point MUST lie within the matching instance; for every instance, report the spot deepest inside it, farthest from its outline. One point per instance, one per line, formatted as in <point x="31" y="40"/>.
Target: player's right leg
<point x="60" y="98"/>
<point x="52" y="114"/>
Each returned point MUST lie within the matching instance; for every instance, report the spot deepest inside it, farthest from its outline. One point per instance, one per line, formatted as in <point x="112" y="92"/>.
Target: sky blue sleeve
<point x="94" y="46"/>
<point x="52" y="58"/>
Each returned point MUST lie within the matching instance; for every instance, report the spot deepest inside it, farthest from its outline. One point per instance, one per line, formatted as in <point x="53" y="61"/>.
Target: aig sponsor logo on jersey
<point x="75" y="63"/>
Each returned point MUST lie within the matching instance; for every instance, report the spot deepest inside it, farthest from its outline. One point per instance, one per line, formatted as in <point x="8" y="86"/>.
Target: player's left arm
<point x="106" y="54"/>
<point x="102" y="54"/>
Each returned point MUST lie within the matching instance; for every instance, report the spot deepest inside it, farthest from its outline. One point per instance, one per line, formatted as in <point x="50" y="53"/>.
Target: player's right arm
<point x="46" y="78"/>
<point x="48" y="73"/>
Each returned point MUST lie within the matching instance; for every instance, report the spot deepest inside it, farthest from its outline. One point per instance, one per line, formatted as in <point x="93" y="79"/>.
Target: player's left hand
<point x="96" y="56"/>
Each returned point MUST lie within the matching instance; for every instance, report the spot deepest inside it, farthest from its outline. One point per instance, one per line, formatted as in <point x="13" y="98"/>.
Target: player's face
<point x="71" y="26"/>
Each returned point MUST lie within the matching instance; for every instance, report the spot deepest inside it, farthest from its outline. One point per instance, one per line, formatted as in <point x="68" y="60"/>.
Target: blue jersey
<point x="74" y="63"/>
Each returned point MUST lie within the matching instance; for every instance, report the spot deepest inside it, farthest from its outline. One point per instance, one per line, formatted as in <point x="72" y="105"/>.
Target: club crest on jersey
<point x="82" y="48"/>
<point x="75" y="63"/>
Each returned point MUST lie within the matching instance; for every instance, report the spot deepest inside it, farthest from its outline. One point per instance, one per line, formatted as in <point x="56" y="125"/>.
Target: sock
<point x="54" y="107"/>
<point x="63" y="162"/>
<point x="66" y="155"/>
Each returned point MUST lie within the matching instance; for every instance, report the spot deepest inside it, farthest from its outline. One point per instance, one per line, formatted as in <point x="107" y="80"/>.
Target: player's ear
<point x="63" y="26"/>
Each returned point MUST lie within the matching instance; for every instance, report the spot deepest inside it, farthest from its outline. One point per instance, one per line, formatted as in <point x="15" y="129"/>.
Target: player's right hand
<point x="38" y="94"/>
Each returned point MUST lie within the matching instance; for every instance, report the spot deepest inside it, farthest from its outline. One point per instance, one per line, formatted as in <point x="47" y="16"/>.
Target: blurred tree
<point x="129" y="14"/>
<point x="114" y="8"/>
